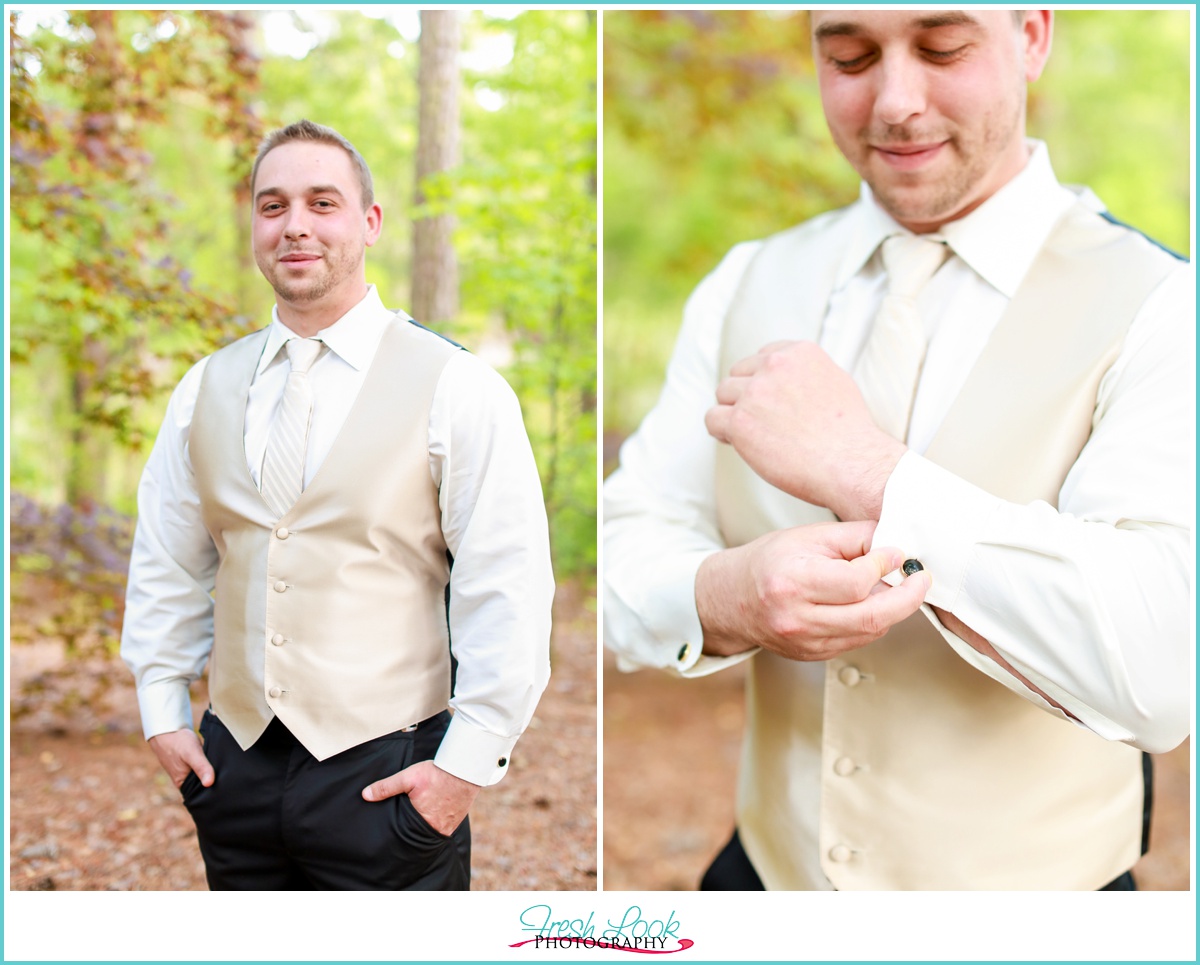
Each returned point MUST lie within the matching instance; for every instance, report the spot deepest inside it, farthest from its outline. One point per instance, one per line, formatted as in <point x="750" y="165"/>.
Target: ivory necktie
<point x="283" y="462"/>
<point x="890" y="364"/>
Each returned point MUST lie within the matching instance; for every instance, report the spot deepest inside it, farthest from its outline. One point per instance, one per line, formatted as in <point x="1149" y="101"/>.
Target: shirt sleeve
<point x="167" y="633"/>
<point x="1090" y="601"/>
<point x="660" y="504"/>
<point x="501" y="582"/>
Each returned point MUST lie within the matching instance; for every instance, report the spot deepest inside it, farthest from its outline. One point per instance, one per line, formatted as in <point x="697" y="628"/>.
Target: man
<point x="362" y="497"/>
<point x="973" y="371"/>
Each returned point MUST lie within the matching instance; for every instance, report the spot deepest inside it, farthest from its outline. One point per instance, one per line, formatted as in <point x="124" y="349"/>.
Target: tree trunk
<point x="435" y="268"/>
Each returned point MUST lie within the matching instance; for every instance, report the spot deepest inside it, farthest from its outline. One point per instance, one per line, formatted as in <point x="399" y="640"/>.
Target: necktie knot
<point x="302" y="353"/>
<point x="910" y="261"/>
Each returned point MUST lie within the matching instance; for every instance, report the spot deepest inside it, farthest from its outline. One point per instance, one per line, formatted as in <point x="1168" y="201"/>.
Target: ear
<point x="1036" y="34"/>
<point x="374" y="216"/>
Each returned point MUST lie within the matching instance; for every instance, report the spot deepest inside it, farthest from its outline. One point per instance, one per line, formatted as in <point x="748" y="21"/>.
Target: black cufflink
<point x="683" y="652"/>
<point x="911" y="566"/>
<point x="502" y="762"/>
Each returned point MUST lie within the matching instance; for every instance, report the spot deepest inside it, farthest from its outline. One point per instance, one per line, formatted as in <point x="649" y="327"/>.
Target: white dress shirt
<point x="1090" y="601"/>
<point x="490" y="499"/>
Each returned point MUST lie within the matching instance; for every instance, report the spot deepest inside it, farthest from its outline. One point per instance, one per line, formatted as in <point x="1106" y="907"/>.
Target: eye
<point x="322" y="203"/>
<point x="851" y="66"/>
<point x="942" y="56"/>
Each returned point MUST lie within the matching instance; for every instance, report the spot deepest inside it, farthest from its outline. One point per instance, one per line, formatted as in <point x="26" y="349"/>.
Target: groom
<point x="360" y="497"/>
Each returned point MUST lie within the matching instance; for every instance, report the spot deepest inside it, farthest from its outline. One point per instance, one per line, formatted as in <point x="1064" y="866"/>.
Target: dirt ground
<point x="665" y="822"/>
<point x="91" y="810"/>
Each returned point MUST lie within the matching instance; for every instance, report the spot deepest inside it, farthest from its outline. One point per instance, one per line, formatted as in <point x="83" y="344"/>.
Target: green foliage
<point x="1114" y="105"/>
<point x="714" y="134"/>
<point x="526" y="205"/>
<point x="105" y="303"/>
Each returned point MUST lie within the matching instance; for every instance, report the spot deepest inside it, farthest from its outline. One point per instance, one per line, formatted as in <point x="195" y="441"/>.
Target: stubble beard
<point x="942" y="200"/>
<point x="335" y="269"/>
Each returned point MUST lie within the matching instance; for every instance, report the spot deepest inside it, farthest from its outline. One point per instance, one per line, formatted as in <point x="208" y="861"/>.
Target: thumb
<point x="399" y="783"/>
<point x="194" y="758"/>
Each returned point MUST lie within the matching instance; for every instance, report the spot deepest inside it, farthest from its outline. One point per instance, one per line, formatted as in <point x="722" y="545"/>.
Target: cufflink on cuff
<point x="911" y="566"/>
<point x="684" y="652"/>
<point x="502" y="762"/>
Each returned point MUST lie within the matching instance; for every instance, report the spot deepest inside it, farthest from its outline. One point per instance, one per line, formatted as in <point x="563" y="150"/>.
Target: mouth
<point x="908" y="157"/>
<point x="299" y="258"/>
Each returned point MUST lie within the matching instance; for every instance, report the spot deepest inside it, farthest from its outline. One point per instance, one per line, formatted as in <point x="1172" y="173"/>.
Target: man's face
<point x="929" y="106"/>
<point x="309" y="229"/>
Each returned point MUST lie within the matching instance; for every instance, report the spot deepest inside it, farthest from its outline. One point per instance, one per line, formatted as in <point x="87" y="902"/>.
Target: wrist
<point x="716" y="595"/>
<point x="865" y="478"/>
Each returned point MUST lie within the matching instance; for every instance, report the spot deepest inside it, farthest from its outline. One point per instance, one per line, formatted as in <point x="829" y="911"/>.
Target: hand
<point x="807" y="593"/>
<point x="442" y="799"/>
<point x="180" y="752"/>
<point x="800" y="422"/>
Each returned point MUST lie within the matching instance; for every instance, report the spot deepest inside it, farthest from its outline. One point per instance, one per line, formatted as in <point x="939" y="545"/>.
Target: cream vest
<point x="930" y="774"/>
<point x="332" y="617"/>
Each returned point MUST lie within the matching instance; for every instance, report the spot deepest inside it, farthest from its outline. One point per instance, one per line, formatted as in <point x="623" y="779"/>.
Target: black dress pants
<point x="276" y="818"/>
<point x="732" y="871"/>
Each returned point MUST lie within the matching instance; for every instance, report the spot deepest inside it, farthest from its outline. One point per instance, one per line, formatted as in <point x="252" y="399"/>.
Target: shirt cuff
<point x="933" y="516"/>
<point x="677" y="634"/>
<point x="474" y="754"/>
<point x="165" y="707"/>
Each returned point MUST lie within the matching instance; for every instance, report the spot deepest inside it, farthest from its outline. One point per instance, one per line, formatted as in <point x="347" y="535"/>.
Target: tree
<point x="104" y="299"/>
<point x="435" y="268"/>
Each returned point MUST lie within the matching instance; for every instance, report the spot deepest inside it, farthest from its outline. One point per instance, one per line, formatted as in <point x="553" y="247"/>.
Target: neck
<point x="307" y="319"/>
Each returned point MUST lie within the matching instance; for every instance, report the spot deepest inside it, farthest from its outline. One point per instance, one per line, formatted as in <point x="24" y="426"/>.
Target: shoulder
<point x="469" y="383"/>
<point x="1150" y="245"/>
<point x="434" y="348"/>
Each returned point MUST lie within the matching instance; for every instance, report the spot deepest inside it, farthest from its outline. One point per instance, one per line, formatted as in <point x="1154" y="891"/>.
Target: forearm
<point x="502" y="585"/>
<point x="1092" y="613"/>
<point x="167" y="632"/>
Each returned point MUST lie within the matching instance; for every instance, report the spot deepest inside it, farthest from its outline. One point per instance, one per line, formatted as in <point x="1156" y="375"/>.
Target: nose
<point x="296" y="225"/>
<point x="901" y="93"/>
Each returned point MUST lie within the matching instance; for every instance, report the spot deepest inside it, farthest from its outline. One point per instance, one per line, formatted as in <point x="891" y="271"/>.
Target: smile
<point x="908" y="157"/>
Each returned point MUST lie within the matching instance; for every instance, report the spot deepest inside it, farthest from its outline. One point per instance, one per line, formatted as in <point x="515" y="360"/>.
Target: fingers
<point x="848" y="581"/>
<point x="717" y="420"/>
<point x="399" y="783"/>
<point x="882" y="610"/>
<point x="845" y="540"/>
<point x="752" y="363"/>
<point x="193" y="756"/>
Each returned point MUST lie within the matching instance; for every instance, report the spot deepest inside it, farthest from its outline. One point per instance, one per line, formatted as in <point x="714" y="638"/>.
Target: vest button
<point x="844" y="767"/>
<point x="283" y="532"/>
<point x="274" y="691"/>
<point x="280" y="586"/>
<point x="277" y="639"/>
<point x="840" y="853"/>
<point x="850" y="676"/>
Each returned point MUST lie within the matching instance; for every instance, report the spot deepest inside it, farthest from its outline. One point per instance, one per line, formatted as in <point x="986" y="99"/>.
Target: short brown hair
<point x="305" y="130"/>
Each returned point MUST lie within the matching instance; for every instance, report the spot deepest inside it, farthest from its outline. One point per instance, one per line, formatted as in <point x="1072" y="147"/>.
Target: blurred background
<point x="714" y="134"/>
<point x="132" y="134"/>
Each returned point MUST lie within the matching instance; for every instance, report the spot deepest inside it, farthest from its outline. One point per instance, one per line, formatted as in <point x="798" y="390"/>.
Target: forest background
<point x="713" y="135"/>
<point x="132" y="135"/>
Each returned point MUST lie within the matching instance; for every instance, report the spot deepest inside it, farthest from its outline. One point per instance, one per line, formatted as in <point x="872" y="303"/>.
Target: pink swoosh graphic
<point x="684" y="945"/>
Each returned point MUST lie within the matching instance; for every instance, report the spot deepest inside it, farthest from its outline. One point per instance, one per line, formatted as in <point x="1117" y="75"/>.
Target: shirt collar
<point x="354" y="336"/>
<point x="998" y="240"/>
